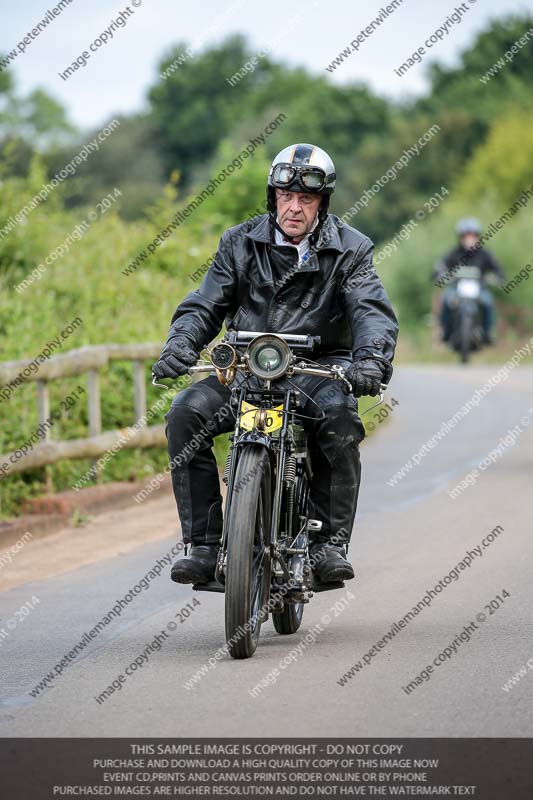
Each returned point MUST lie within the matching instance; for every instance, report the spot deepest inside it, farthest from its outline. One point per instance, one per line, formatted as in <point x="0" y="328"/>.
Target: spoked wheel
<point x="289" y="619"/>
<point x="248" y="558"/>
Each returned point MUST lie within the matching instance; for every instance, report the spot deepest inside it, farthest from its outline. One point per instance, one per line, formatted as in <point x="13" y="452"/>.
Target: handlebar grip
<point x="191" y="371"/>
<point x="200" y="368"/>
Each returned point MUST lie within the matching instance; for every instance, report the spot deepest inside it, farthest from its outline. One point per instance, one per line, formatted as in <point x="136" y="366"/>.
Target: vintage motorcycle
<point x="264" y="566"/>
<point x="466" y="321"/>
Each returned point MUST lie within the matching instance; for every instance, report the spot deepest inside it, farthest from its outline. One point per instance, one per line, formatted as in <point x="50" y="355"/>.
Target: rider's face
<point x="296" y="212"/>
<point x="469" y="240"/>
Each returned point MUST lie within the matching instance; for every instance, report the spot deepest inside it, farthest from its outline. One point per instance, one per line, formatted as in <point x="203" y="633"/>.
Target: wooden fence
<point x="90" y="360"/>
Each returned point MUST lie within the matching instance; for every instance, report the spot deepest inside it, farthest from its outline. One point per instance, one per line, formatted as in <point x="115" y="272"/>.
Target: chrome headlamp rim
<point x="262" y="341"/>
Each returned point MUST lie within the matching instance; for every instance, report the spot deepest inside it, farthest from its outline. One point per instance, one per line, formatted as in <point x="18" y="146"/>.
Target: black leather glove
<point x="176" y="357"/>
<point x="366" y="376"/>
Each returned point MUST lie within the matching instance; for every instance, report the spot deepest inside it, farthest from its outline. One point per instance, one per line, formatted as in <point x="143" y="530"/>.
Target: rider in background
<point x="470" y="253"/>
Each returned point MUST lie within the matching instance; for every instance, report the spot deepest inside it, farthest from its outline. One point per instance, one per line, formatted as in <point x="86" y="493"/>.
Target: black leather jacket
<point x="477" y="257"/>
<point x="256" y="285"/>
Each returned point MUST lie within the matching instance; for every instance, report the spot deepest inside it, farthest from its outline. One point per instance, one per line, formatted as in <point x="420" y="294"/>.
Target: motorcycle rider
<point x="471" y="253"/>
<point x="296" y="269"/>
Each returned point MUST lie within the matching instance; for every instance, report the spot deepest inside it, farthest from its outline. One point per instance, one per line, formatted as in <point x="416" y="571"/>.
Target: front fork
<point x="239" y="440"/>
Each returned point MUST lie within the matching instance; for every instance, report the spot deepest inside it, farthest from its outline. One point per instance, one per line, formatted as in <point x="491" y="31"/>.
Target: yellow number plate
<point x="251" y="418"/>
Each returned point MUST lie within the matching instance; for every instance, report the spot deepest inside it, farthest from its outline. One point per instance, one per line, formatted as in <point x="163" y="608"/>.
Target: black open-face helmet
<point x="301" y="168"/>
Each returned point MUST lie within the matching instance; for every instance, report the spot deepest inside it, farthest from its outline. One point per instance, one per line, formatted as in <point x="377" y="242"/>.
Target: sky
<point x="117" y="76"/>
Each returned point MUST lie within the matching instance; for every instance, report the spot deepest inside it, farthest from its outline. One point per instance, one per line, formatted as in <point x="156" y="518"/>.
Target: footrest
<point x="318" y="586"/>
<point x="212" y="586"/>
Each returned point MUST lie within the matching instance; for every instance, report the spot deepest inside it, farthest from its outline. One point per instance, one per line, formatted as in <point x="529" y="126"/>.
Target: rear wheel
<point x="288" y="620"/>
<point x="248" y="557"/>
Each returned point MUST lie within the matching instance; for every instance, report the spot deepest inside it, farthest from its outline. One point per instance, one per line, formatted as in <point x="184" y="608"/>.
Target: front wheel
<point x="248" y="557"/>
<point x="465" y="334"/>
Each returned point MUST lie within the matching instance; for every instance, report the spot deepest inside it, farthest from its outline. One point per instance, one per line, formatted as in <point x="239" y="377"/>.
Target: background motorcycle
<point x="466" y="312"/>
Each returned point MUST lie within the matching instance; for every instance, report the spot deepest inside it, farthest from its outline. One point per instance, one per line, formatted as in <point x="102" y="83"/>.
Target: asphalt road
<point x="408" y="537"/>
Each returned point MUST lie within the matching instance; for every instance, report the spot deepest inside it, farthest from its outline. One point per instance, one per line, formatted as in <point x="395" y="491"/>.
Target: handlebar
<point x="335" y="372"/>
<point x="327" y="373"/>
<point x="201" y="368"/>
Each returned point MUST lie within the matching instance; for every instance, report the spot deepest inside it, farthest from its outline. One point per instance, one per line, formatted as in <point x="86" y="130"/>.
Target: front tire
<point x="248" y="558"/>
<point x="465" y="341"/>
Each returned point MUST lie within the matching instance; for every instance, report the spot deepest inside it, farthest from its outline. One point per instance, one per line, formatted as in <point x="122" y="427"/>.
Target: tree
<point x="128" y="159"/>
<point x="462" y="86"/>
<point x="500" y="169"/>
<point x="195" y="106"/>
<point x="28" y="124"/>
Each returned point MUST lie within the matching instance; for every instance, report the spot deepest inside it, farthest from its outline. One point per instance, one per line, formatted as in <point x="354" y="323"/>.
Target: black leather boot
<point x="198" y="566"/>
<point x="329" y="562"/>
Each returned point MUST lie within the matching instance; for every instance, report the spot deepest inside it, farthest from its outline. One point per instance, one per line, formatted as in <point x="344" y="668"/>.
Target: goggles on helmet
<point x="311" y="178"/>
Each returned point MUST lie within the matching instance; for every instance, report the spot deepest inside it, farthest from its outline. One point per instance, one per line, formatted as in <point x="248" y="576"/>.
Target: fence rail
<point x="84" y="360"/>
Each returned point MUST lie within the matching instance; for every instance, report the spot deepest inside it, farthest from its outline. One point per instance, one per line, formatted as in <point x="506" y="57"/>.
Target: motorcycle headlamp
<point x="268" y="357"/>
<point x="312" y="179"/>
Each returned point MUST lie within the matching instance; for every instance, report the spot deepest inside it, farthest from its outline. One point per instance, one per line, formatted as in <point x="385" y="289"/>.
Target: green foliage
<point x="439" y="162"/>
<point x="6" y="81"/>
<point x="336" y="117"/>
<point x="38" y="118"/>
<point x="495" y="177"/>
<point x="196" y="125"/>
<point x="503" y="166"/>
<point x="463" y="107"/>
<point x="460" y="86"/>
<point x="41" y="114"/>
<point x="194" y="107"/>
<point x="22" y="248"/>
<point x="27" y="125"/>
<point x="242" y="193"/>
<point x="114" y="308"/>
<point x="127" y="158"/>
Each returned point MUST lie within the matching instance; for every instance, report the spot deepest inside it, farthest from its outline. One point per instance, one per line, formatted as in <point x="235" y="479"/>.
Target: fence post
<point x="139" y="390"/>
<point x="95" y="414"/>
<point x="43" y="412"/>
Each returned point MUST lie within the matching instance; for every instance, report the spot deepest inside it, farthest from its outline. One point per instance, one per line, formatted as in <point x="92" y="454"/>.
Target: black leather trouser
<point x="202" y="411"/>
